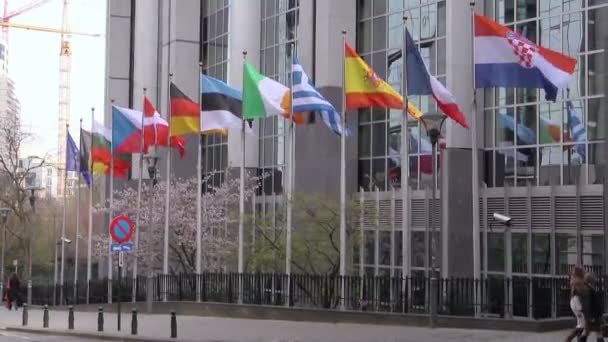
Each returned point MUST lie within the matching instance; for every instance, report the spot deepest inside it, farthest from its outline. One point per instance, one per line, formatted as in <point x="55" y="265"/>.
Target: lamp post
<point x="4" y="212"/>
<point x="433" y="122"/>
<point x="57" y="244"/>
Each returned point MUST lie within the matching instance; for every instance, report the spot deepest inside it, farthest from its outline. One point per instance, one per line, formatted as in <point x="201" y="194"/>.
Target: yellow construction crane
<point x="65" y="75"/>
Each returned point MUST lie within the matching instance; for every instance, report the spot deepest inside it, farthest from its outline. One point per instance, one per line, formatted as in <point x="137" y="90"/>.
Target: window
<point x="524" y="132"/>
<point x="379" y="40"/>
<point x="278" y="31"/>
<point x="214" y="52"/>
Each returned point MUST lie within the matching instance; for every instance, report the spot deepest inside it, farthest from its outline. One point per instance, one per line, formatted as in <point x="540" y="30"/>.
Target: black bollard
<point x="100" y="319"/>
<point x="134" y="321"/>
<point x="173" y="324"/>
<point x="24" y="320"/>
<point x="71" y="318"/>
<point x="45" y="317"/>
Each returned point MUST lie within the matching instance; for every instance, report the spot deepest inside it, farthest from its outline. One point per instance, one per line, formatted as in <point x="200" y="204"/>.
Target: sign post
<point x="121" y="230"/>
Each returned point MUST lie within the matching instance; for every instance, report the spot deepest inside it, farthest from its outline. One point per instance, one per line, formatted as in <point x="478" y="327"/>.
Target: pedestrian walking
<point x="595" y="320"/>
<point x="13" y="294"/>
<point x="579" y="304"/>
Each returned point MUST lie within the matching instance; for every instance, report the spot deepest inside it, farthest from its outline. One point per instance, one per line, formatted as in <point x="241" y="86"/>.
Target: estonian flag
<point x="221" y="106"/>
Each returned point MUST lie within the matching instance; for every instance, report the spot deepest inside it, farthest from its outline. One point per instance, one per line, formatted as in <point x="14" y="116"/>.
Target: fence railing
<point x="518" y="297"/>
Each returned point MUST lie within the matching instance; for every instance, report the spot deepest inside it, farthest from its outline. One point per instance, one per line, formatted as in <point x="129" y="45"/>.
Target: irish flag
<point x="262" y="96"/>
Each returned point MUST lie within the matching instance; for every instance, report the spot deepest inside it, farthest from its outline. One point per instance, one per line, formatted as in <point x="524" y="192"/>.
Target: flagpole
<point x="167" y="195"/>
<point x="289" y="194"/>
<point x="343" y="179"/>
<point x="77" y="219"/>
<point x="90" y="233"/>
<point x="475" y="161"/>
<point x="241" y="264"/>
<point x="138" y="214"/>
<point x="199" y="188"/>
<point x="405" y="168"/>
<point x="65" y="204"/>
<point x="110" y="213"/>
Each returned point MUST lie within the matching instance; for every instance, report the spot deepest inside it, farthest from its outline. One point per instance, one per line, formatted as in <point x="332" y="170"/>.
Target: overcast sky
<point x="34" y="66"/>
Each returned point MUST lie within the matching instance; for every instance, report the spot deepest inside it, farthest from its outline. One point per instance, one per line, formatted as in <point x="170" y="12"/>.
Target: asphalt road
<point x="9" y="336"/>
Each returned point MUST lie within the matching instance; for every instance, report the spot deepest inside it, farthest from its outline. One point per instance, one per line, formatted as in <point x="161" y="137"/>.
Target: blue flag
<point x="72" y="156"/>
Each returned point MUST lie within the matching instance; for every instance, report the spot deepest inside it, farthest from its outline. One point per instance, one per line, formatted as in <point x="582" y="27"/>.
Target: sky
<point x="34" y="66"/>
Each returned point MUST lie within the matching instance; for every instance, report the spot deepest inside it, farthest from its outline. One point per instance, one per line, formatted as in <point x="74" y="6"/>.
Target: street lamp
<point x="57" y="244"/>
<point x="433" y="122"/>
<point x="4" y="212"/>
<point x="151" y="161"/>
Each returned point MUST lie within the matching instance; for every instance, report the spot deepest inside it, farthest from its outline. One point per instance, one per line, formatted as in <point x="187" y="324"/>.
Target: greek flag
<point x="307" y="99"/>
<point x="578" y="133"/>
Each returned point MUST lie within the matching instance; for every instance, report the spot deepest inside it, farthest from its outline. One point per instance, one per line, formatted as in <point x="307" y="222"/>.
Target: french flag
<point x="504" y="58"/>
<point x="421" y="82"/>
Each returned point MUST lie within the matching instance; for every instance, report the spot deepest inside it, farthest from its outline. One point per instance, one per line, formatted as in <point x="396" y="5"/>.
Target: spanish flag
<point x="185" y="113"/>
<point x="364" y="88"/>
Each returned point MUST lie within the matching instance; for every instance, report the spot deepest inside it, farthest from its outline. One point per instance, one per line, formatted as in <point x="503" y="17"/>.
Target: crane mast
<point x="65" y="77"/>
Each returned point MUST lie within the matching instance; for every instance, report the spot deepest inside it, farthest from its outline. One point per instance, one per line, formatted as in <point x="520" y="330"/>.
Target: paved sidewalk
<point x="191" y="328"/>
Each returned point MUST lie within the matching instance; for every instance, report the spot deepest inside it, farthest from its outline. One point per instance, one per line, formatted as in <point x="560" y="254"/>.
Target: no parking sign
<point x="121" y="230"/>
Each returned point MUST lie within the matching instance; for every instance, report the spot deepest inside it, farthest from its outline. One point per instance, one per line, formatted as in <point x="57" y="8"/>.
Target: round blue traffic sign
<point x="121" y="229"/>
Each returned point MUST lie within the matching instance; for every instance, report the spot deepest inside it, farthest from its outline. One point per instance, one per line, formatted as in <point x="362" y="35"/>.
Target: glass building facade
<point x="379" y="42"/>
<point x="215" y="33"/>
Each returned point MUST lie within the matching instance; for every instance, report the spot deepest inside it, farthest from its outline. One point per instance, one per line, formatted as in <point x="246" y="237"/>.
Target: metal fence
<point x="518" y="297"/>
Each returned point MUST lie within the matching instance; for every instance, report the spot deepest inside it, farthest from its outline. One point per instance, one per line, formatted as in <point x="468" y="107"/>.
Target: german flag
<point x="185" y="113"/>
<point x="364" y="88"/>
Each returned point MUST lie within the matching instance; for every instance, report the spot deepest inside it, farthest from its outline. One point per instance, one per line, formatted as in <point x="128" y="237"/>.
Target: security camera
<point x="504" y="219"/>
<point x="66" y="240"/>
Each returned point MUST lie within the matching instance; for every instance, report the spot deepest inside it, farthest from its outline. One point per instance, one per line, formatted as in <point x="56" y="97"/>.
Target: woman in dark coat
<point x="14" y="286"/>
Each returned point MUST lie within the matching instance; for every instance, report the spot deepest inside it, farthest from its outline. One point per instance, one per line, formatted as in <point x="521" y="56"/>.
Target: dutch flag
<point x="504" y="58"/>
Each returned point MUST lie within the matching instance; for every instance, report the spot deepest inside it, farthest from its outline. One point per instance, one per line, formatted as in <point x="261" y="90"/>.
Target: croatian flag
<point x="421" y="82"/>
<point x="504" y="58"/>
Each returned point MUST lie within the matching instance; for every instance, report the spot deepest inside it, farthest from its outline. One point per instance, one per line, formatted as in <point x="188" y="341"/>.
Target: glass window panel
<point x="505" y="166"/>
<point x="364" y="140"/>
<point x="364" y="115"/>
<point x="364" y="174"/>
<point x="385" y="248"/>
<point x="379" y="34"/>
<point x="379" y="139"/>
<point x="489" y="168"/>
<point x="505" y="11"/>
<point x="441" y="61"/>
<point x="379" y="7"/>
<point x="505" y="96"/>
<point x="364" y="34"/>
<point x="370" y="247"/>
<point x="596" y="127"/>
<point x="365" y="8"/>
<point x="565" y="252"/>
<point x="526" y="125"/>
<point x="418" y="249"/>
<point x="270" y="7"/>
<point x="441" y="21"/>
<point x="378" y="114"/>
<point x="527" y="30"/>
<point x="496" y="252"/>
<point x="550" y="130"/>
<point x="541" y="253"/>
<point x="593" y="253"/>
<point x="395" y="34"/>
<point x="379" y="64"/>
<point x="379" y="173"/>
<point x="550" y="161"/>
<point x="488" y="128"/>
<point x="596" y="74"/>
<point x="526" y="166"/>
<point x="597" y="28"/>
<point x="550" y="33"/>
<point x="525" y="9"/>
<point x="519" y="246"/>
<point x="596" y="159"/>
<point x="398" y="248"/>
<point x="414" y="172"/>
<point x="573" y="159"/>
<point x="504" y="127"/>
<point x="224" y="152"/>
<point x="573" y="40"/>
<point x="597" y="2"/>
<point x="395" y="6"/>
<point x="270" y="31"/>
<point x="212" y="26"/>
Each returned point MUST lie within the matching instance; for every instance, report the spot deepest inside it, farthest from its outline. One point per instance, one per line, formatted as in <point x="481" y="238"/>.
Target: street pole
<point x="65" y="204"/>
<point x="434" y="122"/>
<point x="56" y="243"/>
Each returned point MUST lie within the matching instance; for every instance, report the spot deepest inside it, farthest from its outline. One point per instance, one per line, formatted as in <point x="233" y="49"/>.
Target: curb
<point x="98" y="336"/>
